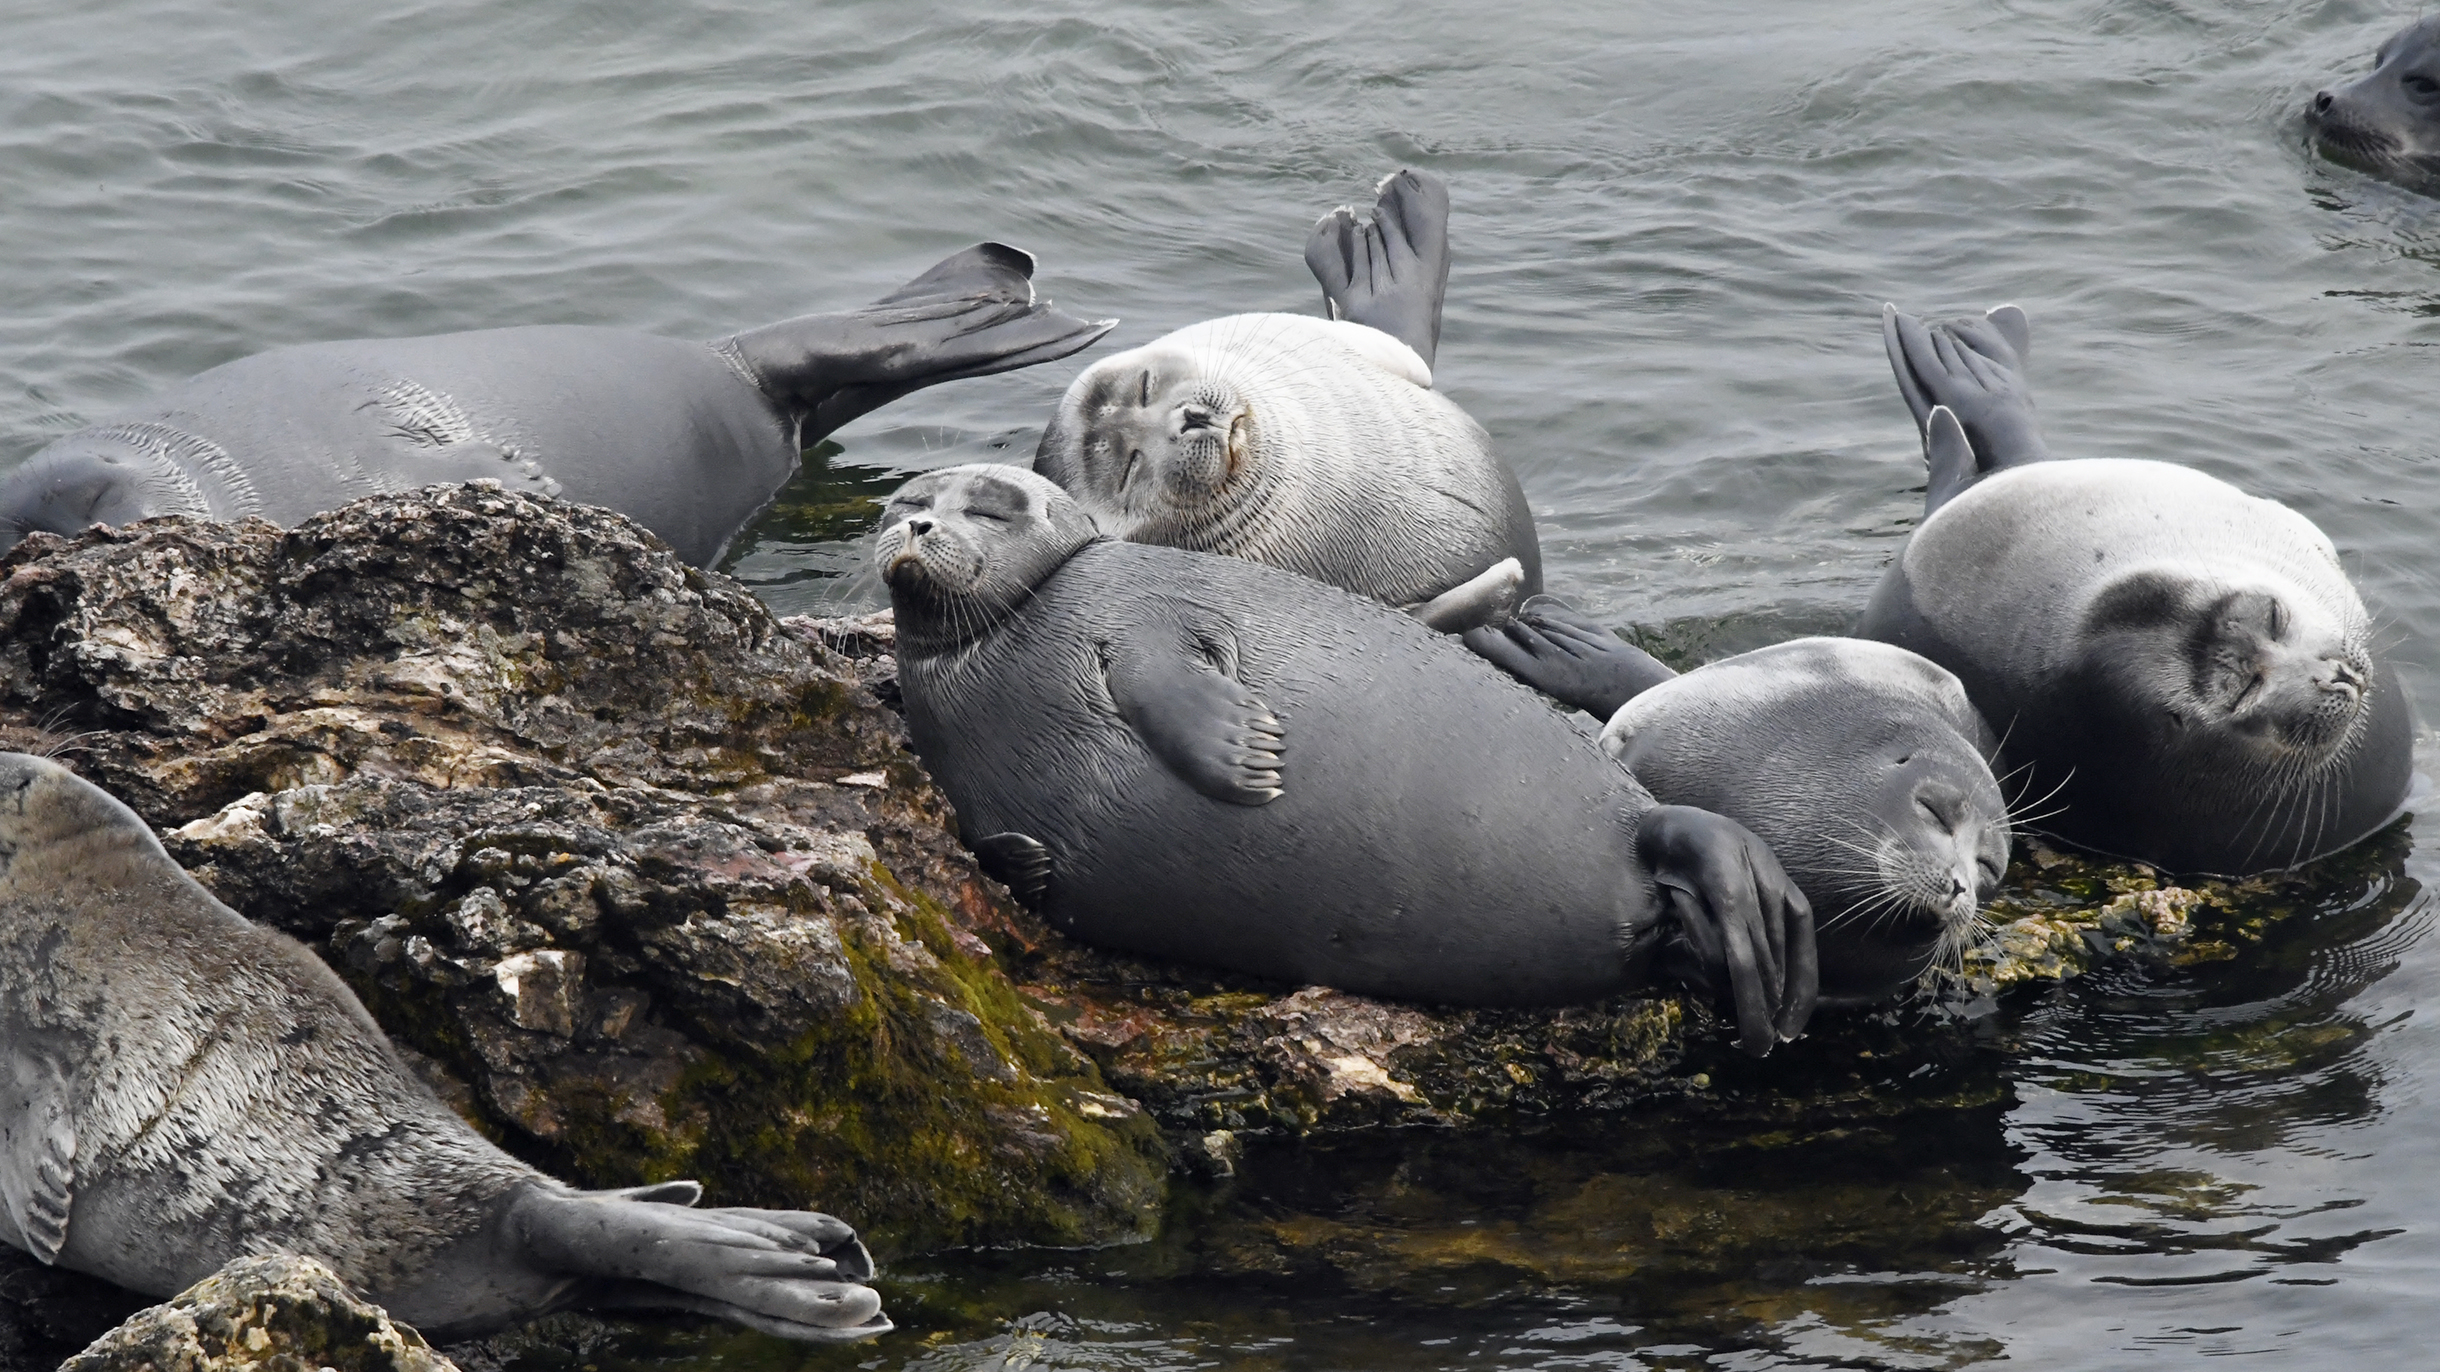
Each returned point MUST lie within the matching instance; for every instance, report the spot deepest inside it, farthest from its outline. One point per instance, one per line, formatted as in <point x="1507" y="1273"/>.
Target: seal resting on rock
<point x="1317" y="445"/>
<point x="1207" y="759"/>
<point x="180" y="1087"/>
<point x="2182" y="670"/>
<point x="1862" y="765"/>
<point x="689" y="440"/>
<point x="2388" y="123"/>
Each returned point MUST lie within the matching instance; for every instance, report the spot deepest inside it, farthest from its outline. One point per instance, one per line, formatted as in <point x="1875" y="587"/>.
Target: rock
<point x="278" y="1314"/>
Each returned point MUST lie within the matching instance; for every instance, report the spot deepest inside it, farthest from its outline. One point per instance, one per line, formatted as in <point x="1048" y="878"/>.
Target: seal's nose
<point x="2322" y="103"/>
<point x="918" y="526"/>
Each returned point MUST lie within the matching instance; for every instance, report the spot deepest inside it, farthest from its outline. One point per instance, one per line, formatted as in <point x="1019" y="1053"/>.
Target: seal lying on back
<point x="1863" y="766"/>
<point x="2388" y="123"/>
<point x="180" y="1087"/>
<point x="1317" y="445"/>
<point x="2182" y="669"/>
<point x="687" y="439"/>
<point x="1206" y="759"/>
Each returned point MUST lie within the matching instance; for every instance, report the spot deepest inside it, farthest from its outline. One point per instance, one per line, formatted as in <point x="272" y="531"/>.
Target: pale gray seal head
<point x="688" y="439"/>
<point x="1317" y="445"/>
<point x="2183" y="669"/>
<point x="2388" y="122"/>
<point x="1863" y="766"/>
<point x="1203" y="758"/>
<point x="180" y="1087"/>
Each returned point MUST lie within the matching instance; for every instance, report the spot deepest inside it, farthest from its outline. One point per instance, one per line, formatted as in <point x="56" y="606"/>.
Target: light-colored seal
<point x="1862" y="765"/>
<point x="2388" y="123"/>
<point x="2182" y="671"/>
<point x="686" y="438"/>
<point x="1207" y="759"/>
<point x="179" y="1087"/>
<point x="1317" y="445"/>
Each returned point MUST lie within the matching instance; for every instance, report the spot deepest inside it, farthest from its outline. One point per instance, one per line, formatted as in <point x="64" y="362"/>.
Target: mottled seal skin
<point x="1862" y="765"/>
<point x="1206" y="759"/>
<point x="1317" y="445"/>
<point x="689" y="439"/>
<point x="2388" y="123"/>
<point x="179" y="1087"/>
<point x="2180" y="672"/>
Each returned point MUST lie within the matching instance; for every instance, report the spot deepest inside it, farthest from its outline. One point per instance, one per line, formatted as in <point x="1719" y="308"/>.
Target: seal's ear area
<point x="1488" y="597"/>
<point x="1018" y="862"/>
<point x="2014" y="327"/>
<point x="37" y="1149"/>
<point x="1391" y="272"/>
<point x="1947" y="457"/>
<point x="1738" y="919"/>
<point x="1173" y="682"/>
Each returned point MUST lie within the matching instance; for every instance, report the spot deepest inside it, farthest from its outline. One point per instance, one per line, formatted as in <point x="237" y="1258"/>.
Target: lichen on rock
<point x="278" y="1313"/>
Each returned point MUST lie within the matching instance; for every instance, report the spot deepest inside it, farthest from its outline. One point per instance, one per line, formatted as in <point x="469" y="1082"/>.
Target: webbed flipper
<point x="1975" y="367"/>
<point x="1740" y="920"/>
<point x="1391" y="271"/>
<point x="1018" y="862"/>
<point x="37" y="1150"/>
<point x="1175" y="685"/>
<point x="1948" y="458"/>
<point x="1488" y="597"/>
<point x="1569" y="656"/>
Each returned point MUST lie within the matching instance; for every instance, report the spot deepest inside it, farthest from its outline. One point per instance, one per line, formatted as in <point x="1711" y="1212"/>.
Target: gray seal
<point x="2180" y="671"/>
<point x="180" y="1087"/>
<point x="1317" y="445"/>
<point x="1862" y="765"/>
<point x="2388" y="122"/>
<point x="1206" y="759"/>
<point x="686" y="438"/>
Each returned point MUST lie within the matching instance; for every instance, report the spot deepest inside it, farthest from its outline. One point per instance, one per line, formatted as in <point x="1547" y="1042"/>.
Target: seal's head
<point x="58" y="829"/>
<point x="1161" y="444"/>
<point x="963" y="546"/>
<point x="97" y="476"/>
<point x="2388" y="123"/>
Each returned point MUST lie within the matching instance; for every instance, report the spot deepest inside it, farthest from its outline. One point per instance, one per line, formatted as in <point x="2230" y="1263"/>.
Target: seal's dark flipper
<point x="971" y="315"/>
<point x="794" y="1273"/>
<point x="1948" y="456"/>
<point x="1018" y="862"/>
<point x="1568" y="656"/>
<point x="2014" y="327"/>
<point x="37" y="1150"/>
<point x="1737" y="918"/>
<point x="1975" y="367"/>
<point x="1389" y="272"/>
<point x="1489" y="597"/>
<point x="1173" y="684"/>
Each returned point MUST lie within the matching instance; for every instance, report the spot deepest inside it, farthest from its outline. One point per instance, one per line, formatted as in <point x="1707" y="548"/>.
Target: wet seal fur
<point x="687" y="439"/>
<point x="1863" y="766"/>
<point x="1202" y="758"/>
<point x="2388" y="122"/>
<point x="180" y="1087"/>
<point x="1317" y="445"/>
<point x="2180" y="671"/>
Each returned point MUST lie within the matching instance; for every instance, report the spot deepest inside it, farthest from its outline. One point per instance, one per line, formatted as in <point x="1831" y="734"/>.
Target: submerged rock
<point x="278" y="1314"/>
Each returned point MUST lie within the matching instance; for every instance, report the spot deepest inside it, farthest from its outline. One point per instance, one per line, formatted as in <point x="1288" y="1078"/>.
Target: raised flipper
<point x="1975" y="367"/>
<point x="1018" y="862"/>
<point x="37" y="1150"/>
<point x="972" y="315"/>
<point x="1569" y="657"/>
<point x="1738" y="918"/>
<point x="1948" y="458"/>
<point x="1174" y="683"/>
<point x="1489" y="597"/>
<point x="794" y="1273"/>
<point x="1391" y="271"/>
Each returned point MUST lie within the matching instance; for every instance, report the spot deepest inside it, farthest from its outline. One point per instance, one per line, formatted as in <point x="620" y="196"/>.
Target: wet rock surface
<point x="277" y="1314"/>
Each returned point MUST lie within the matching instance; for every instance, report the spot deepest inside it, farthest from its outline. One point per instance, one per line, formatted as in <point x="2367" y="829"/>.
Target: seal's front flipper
<point x="1975" y="367"/>
<point x="971" y="315"/>
<point x="37" y="1150"/>
<point x="1738" y="918"/>
<point x="1175" y="684"/>
<point x="1488" y="597"/>
<point x="1018" y="862"/>
<point x="1569" y="656"/>
<point x="1389" y="272"/>
<point x="796" y="1274"/>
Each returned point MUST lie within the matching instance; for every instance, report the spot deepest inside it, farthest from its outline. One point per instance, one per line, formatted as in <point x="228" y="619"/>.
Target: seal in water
<point x="1317" y="445"/>
<point x="686" y="439"/>
<point x="1203" y="758"/>
<point x="2182" y="668"/>
<point x="180" y="1087"/>
<point x="1863" y="766"/>
<point x="2389" y="122"/>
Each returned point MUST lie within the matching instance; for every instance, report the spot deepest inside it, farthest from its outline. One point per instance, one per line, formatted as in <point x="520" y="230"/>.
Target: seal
<point x="1863" y="767"/>
<point x="1317" y="445"/>
<point x="2388" y="123"/>
<point x="2184" y="670"/>
<point x="687" y="439"/>
<point x="1210" y="760"/>
<point x="180" y="1087"/>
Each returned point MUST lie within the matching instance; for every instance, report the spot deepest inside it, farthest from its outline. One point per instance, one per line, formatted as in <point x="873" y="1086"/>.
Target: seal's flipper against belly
<point x="1018" y="862"/>
<point x="1569" y="656"/>
<point x="1490" y="598"/>
<point x="1731" y="904"/>
<point x="972" y="314"/>
<point x="1171" y="682"/>
<point x="37" y="1147"/>
<point x="1392" y="270"/>
<point x="1976" y="368"/>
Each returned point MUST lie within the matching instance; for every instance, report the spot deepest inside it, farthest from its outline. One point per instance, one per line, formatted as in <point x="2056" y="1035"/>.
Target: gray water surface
<point x="1675" y="225"/>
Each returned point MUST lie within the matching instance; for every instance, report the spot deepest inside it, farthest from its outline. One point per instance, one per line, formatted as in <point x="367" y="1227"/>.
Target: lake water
<point x="1674" y="227"/>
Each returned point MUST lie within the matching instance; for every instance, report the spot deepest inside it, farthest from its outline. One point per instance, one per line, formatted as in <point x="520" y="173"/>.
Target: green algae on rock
<point x="279" y="1313"/>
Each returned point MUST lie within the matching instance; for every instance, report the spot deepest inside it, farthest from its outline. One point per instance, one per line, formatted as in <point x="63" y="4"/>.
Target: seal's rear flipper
<point x="1738" y="919"/>
<point x="1975" y="367"/>
<point x="1389" y="272"/>
<point x="1948" y="457"/>
<point x="794" y="1273"/>
<point x="971" y="315"/>
<point x="1487" y="598"/>
<point x="1568" y="656"/>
